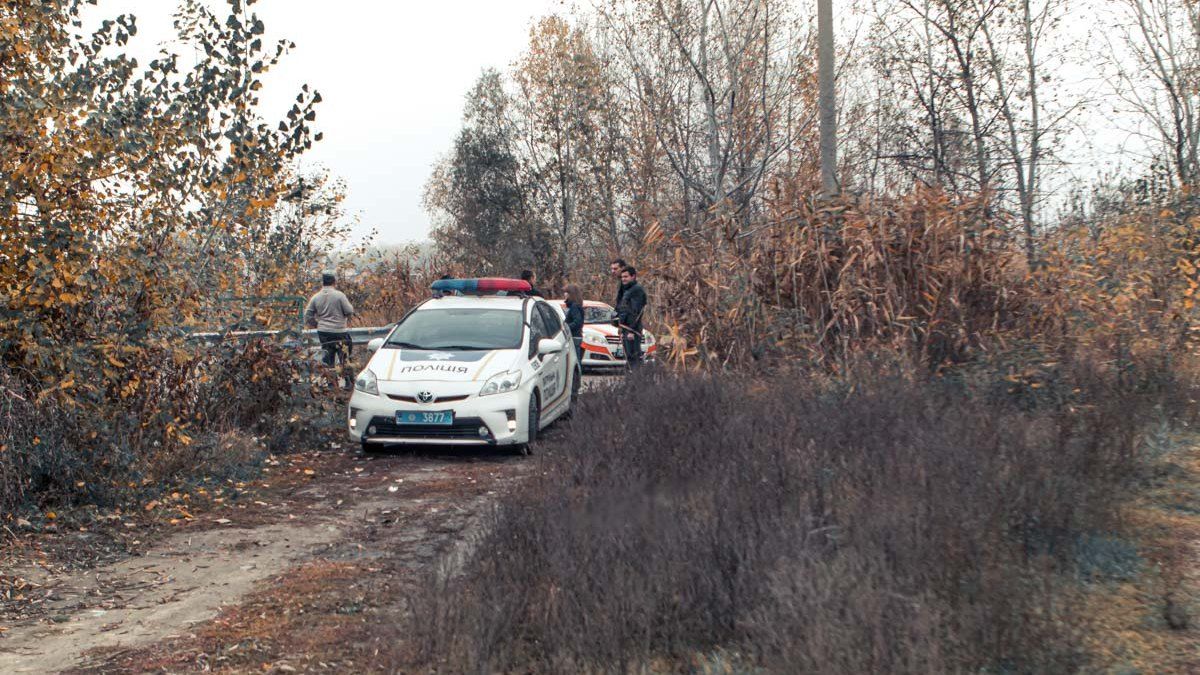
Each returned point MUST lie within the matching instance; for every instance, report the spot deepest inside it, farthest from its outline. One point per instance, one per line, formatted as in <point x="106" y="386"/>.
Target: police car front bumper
<point x="498" y="419"/>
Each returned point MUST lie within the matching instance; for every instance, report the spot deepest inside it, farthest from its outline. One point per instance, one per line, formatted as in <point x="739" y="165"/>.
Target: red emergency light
<point x="481" y="286"/>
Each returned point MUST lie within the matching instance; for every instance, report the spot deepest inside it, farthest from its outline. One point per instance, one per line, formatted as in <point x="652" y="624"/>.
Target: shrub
<point x="186" y="418"/>
<point x="871" y="524"/>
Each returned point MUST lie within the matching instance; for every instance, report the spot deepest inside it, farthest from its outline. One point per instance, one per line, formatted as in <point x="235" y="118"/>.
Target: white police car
<point x="485" y="366"/>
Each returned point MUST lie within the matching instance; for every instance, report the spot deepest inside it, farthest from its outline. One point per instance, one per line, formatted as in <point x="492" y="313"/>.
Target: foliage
<point x="134" y="197"/>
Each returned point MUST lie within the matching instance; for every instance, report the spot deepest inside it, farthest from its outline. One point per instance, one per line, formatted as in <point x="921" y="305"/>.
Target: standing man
<point x="615" y="267"/>
<point x="329" y="311"/>
<point x="528" y="275"/>
<point x="630" y="308"/>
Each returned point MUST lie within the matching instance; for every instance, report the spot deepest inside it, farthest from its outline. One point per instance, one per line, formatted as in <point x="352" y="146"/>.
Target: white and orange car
<point x="602" y="346"/>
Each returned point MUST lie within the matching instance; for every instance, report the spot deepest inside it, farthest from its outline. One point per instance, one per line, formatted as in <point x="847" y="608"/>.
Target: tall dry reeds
<point x="927" y="274"/>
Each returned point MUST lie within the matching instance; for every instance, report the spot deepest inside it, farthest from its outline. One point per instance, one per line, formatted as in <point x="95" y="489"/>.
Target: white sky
<point x="393" y="74"/>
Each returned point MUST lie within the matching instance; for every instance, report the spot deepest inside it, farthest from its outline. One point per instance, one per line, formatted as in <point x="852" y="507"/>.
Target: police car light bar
<point x="481" y="286"/>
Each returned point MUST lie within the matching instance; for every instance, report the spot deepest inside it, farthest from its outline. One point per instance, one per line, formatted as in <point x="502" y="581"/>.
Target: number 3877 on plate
<point x="441" y="417"/>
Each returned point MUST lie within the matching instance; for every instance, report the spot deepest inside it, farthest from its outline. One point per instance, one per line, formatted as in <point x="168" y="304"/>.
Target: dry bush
<point x="387" y="287"/>
<point x="926" y="274"/>
<point x="174" y="420"/>
<point x="881" y="523"/>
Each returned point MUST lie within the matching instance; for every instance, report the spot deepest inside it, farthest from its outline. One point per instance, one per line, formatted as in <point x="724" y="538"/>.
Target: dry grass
<point x="1127" y="618"/>
<point x="876" y="524"/>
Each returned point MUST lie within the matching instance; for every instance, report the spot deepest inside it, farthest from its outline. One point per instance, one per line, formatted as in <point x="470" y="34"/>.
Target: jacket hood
<point x="419" y="365"/>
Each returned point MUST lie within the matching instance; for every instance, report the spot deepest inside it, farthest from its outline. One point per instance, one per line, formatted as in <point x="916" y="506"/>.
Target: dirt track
<point x="293" y="571"/>
<point x="360" y="525"/>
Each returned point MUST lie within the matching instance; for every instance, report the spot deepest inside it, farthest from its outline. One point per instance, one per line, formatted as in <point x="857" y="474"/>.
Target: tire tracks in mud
<point x="373" y="517"/>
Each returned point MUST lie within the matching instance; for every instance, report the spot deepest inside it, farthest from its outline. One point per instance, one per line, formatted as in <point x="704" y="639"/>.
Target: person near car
<point x="329" y="311"/>
<point x="615" y="268"/>
<point x="630" y="309"/>
<point x="528" y="275"/>
<point x="575" y="318"/>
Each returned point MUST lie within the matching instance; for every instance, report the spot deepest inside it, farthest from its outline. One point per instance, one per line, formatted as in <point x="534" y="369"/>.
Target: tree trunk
<point x="827" y="98"/>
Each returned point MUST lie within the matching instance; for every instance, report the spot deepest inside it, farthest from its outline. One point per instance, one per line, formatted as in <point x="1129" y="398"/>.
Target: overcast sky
<point x="393" y="74"/>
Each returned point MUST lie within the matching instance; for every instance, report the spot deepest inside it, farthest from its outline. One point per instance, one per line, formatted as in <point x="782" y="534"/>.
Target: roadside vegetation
<point x="796" y="523"/>
<point x="136" y="198"/>
<point x="894" y="429"/>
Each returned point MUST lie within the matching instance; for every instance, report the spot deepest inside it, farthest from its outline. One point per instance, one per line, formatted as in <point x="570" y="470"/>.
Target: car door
<point x="555" y="367"/>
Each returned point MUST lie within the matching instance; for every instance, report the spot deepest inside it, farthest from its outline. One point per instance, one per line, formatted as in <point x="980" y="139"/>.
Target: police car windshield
<point x="459" y="329"/>
<point x="598" y="315"/>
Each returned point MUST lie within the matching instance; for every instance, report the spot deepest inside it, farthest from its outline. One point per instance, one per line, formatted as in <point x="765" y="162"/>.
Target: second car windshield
<point x="598" y="315"/>
<point x="459" y="329"/>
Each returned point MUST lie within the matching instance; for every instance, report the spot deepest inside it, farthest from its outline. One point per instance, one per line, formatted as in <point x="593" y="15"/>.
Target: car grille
<point x="464" y="428"/>
<point x="440" y="399"/>
<point x="613" y="339"/>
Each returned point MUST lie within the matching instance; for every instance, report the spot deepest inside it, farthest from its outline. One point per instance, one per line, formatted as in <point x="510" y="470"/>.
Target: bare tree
<point x="1164" y="41"/>
<point x="1018" y="102"/>
<point x="713" y="79"/>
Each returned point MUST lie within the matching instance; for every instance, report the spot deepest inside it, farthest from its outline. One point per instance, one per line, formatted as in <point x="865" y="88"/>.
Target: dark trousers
<point x="337" y="347"/>
<point x="633" y="348"/>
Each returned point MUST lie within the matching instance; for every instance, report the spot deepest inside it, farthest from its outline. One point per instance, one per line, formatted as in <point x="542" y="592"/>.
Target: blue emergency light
<point x="481" y="286"/>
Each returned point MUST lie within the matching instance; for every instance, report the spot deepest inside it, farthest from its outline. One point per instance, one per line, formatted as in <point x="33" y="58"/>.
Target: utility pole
<point x="827" y="98"/>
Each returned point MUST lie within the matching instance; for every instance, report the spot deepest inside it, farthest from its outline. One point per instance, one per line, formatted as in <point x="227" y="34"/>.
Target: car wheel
<point x="576" y="387"/>
<point x="534" y="420"/>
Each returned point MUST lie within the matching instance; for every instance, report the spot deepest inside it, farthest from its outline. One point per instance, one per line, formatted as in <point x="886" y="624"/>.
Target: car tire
<point x="576" y="387"/>
<point x="534" y="420"/>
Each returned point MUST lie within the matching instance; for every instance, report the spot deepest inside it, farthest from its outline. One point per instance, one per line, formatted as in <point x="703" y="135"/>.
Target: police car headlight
<point x="501" y="384"/>
<point x="367" y="383"/>
<point x="594" y="339"/>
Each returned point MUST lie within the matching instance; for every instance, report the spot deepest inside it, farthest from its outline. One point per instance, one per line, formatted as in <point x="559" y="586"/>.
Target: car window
<point x="456" y="328"/>
<point x="537" y="329"/>
<point x="599" y="314"/>
<point x="552" y="322"/>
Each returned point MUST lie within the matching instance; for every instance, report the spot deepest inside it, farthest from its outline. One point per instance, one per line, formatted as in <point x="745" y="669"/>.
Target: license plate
<point x="439" y="418"/>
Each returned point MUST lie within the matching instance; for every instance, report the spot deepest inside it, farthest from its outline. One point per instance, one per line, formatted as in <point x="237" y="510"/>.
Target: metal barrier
<point x="359" y="336"/>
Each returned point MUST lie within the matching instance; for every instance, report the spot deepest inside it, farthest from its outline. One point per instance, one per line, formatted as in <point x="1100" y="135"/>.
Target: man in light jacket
<point x="329" y="311"/>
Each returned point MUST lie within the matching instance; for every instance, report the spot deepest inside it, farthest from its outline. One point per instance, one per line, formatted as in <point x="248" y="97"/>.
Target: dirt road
<point x="291" y="578"/>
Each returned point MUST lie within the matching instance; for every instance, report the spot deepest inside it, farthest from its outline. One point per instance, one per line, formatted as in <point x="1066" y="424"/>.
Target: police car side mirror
<point x="375" y="345"/>
<point x="546" y="346"/>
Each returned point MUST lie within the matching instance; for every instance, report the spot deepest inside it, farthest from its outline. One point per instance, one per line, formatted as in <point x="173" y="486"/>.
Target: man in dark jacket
<point x="528" y="275"/>
<point x="629" y="316"/>
<point x="615" y="267"/>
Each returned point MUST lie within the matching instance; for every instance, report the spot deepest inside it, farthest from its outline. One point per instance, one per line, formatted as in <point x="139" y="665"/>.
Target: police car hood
<point x="413" y="365"/>
<point x="605" y="329"/>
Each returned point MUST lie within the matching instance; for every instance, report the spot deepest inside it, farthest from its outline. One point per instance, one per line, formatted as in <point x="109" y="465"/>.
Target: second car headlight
<point x="501" y="383"/>
<point x="367" y="383"/>
<point x="594" y="339"/>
